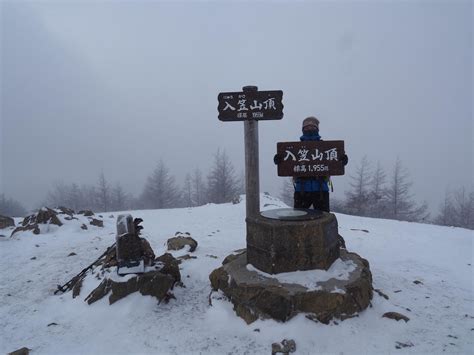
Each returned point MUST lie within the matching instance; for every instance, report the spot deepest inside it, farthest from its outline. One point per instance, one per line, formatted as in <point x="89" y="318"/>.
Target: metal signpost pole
<point x="252" y="179"/>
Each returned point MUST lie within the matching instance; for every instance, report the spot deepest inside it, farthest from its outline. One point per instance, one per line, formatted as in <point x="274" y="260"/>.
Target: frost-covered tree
<point x="103" y="193"/>
<point x="447" y="214"/>
<point x="160" y="190"/>
<point x="119" y="198"/>
<point x="357" y="200"/>
<point x="222" y="185"/>
<point x="198" y="188"/>
<point x="457" y="209"/>
<point x="400" y="204"/>
<point x="187" y="194"/>
<point x="377" y="193"/>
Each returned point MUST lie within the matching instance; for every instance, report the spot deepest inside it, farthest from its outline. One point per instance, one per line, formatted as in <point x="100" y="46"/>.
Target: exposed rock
<point x="232" y="257"/>
<point x="84" y="227"/>
<point x="170" y="266"/>
<point x="418" y="282"/>
<point x="148" y="253"/>
<point x="397" y="316"/>
<point x="44" y="215"/>
<point x="22" y="351"/>
<point x="96" y="222"/>
<point x="155" y="283"/>
<point x="72" y="254"/>
<point x="186" y="257"/>
<point x="32" y="227"/>
<point x="285" y="347"/>
<point x="6" y="222"/>
<point x="86" y="213"/>
<point x="65" y="210"/>
<point x="341" y="241"/>
<point x="180" y="241"/>
<point x="257" y="296"/>
<point x="400" y="345"/>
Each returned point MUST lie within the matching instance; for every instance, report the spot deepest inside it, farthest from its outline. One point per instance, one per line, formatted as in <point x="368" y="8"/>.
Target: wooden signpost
<point x="311" y="158"/>
<point x="251" y="106"/>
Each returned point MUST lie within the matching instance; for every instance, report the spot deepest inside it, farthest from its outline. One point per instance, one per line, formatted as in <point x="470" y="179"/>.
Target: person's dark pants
<point x="320" y="200"/>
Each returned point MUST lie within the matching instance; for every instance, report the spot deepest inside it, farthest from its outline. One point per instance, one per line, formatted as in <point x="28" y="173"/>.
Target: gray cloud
<point x="114" y="87"/>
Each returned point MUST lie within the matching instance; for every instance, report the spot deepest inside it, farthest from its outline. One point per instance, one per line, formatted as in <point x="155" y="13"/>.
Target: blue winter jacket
<point x="311" y="184"/>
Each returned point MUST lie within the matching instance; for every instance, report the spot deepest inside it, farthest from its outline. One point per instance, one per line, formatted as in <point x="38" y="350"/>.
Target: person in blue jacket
<point x="311" y="191"/>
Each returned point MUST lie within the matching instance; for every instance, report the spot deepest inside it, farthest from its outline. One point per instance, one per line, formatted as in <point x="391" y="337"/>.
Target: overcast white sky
<point x="115" y="86"/>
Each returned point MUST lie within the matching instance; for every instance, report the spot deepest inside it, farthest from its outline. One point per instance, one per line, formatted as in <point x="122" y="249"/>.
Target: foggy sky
<point x="114" y="87"/>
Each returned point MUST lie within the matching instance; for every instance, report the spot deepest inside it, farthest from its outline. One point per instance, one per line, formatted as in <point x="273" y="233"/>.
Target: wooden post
<point x="252" y="179"/>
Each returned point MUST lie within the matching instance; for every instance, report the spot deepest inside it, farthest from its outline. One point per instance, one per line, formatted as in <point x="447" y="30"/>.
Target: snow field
<point x="440" y="307"/>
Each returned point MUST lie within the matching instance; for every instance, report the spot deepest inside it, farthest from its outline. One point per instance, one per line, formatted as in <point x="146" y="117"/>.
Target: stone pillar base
<point x="276" y="246"/>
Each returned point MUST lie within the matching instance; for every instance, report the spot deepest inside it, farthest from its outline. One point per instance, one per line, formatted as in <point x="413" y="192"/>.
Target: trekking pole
<point x="68" y="285"/>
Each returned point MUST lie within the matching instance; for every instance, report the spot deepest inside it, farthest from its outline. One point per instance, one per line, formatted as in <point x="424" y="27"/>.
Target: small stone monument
<point x="128" y="247"/>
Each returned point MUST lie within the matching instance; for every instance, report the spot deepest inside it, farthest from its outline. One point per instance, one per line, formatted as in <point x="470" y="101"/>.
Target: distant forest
<point x="373" y="193"/>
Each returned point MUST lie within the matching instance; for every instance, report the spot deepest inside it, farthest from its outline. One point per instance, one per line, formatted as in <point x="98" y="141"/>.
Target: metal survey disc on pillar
<point x="251" y="106"/>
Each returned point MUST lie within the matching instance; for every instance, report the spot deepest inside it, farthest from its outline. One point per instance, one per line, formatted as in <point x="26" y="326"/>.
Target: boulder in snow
<point x="86" y="213"/>
<point x="396" y="316"/>
<point x="285" y="347"/>
<point x="44" y="215"/>
<point x="6" y="222"/>
<point x="96" y="222"/>
<point x="180" y="240"/>
<point x="22" y="351"/>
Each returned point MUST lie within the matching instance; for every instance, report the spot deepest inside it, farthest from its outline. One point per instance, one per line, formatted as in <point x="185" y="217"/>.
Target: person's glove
<point x="277" y="159"/>
<point x="345" y="159"/>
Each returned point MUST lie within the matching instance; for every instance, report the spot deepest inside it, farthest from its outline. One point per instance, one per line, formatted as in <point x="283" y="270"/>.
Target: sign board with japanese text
<point x="311" y="158"/>
<point x="256" y="105"/>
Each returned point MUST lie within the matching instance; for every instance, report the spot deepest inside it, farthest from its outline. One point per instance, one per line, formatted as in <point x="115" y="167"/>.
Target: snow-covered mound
<point x="425" y="270"/>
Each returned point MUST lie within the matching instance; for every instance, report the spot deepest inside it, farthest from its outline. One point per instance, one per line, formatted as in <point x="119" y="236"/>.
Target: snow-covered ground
<point x="440" y="306"/>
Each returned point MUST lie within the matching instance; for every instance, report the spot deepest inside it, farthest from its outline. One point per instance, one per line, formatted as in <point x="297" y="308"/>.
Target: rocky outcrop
<point x="44" y="215"/>
<point x="180" y="240"/>
<point x="64" y="210"/>
<point x="6" y="222"/>
<point x="158" y="281"/>
<point x="96" y="222"/>
<point x="258" y="295"/>
<point x="86" y="213"/>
